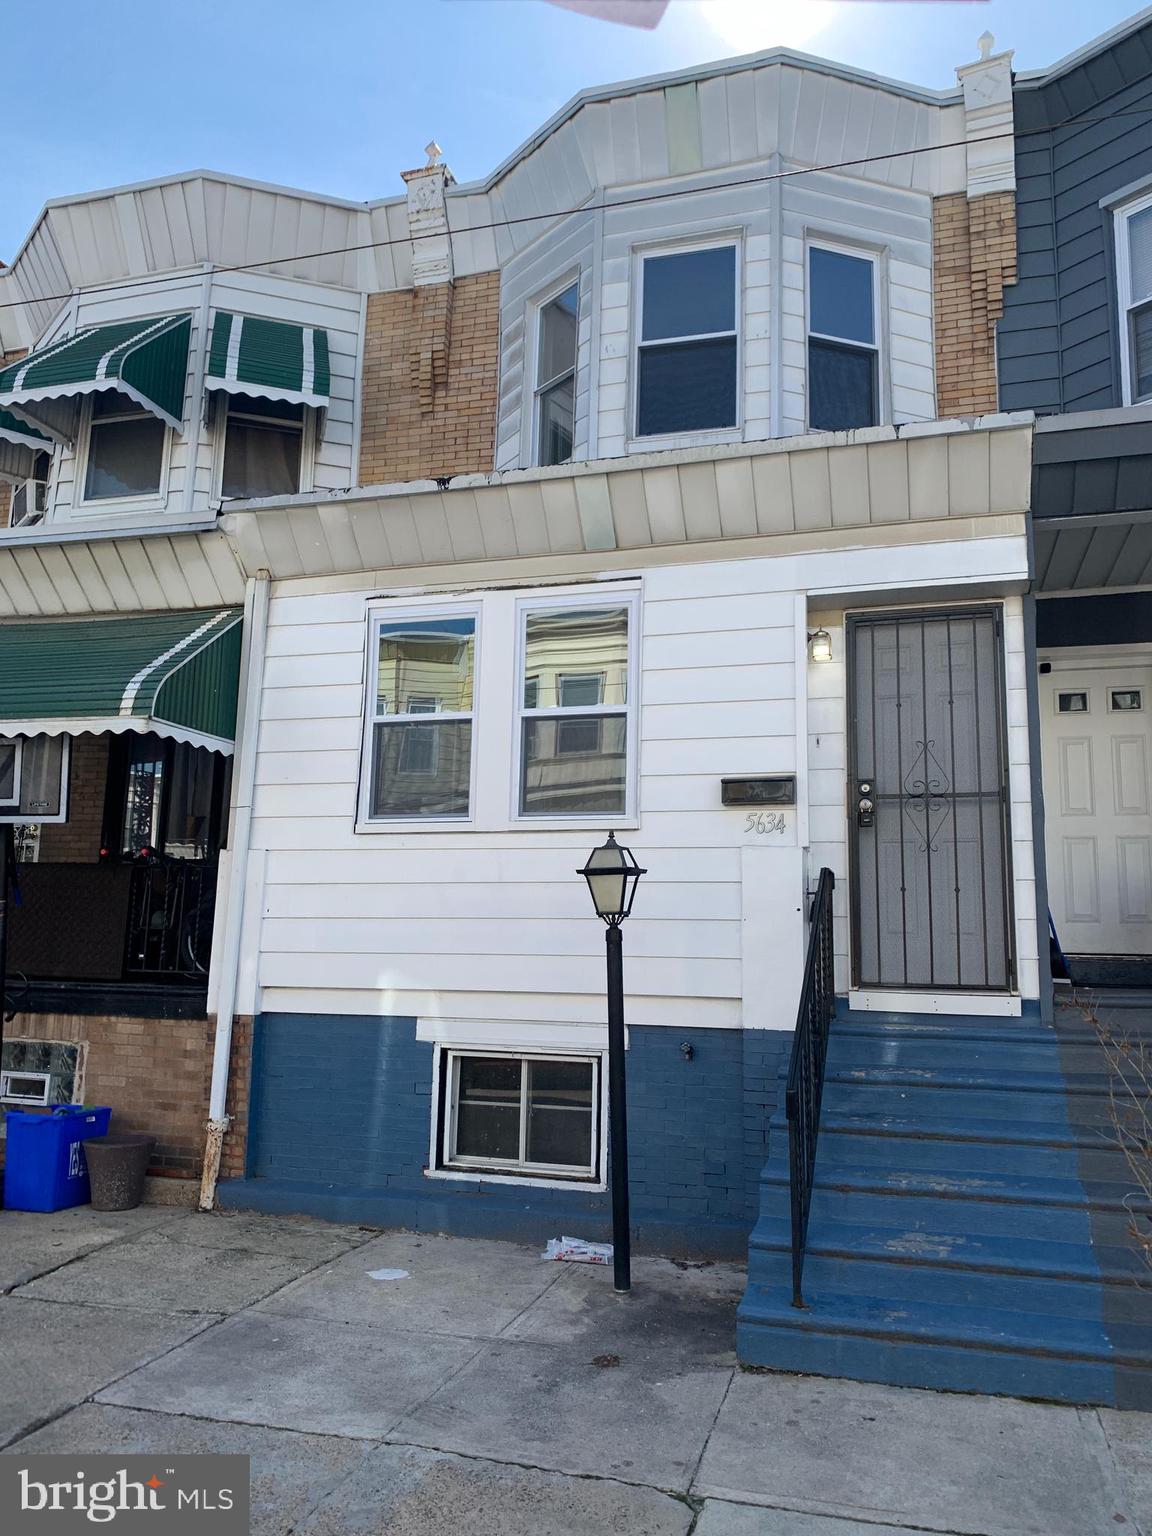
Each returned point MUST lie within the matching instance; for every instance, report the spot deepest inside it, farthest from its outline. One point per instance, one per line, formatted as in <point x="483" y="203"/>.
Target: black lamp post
<point x="613" y="875"/>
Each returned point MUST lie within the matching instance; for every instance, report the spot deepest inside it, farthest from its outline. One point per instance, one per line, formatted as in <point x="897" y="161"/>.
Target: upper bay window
<point x="421" y="717"/>
<point x="263" y="447"/>
<point x="1134" y="284"/>
<point x="557" y="331"/>
<point x="843" y="350"/>
<point x="686" y="366"/>
<point x="125" y="450"/>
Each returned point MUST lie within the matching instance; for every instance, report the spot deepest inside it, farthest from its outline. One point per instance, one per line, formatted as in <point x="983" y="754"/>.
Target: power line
<point x="163" y="278"/>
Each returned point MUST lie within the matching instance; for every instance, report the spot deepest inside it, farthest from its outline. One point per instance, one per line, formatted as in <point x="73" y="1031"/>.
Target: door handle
<point x="865" y="805"/>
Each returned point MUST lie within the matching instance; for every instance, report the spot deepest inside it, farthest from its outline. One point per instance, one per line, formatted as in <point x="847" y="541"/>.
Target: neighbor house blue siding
<point x="341" y="1110"/>
<point x="1080" y="138"/>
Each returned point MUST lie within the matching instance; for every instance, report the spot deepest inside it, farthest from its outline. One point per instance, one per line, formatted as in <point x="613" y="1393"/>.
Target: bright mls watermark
<point x="137" y="1495"/>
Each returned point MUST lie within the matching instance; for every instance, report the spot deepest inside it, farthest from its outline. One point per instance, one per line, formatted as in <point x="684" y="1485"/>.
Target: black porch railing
<point x="806" y="1069"/>
<point x="170" y="912"/>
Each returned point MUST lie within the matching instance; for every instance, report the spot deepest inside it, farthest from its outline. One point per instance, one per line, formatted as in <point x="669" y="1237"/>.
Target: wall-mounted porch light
<point x="819" y="645"/>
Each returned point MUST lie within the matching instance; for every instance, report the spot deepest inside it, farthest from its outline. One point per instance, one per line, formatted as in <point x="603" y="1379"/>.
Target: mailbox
<point x="762" y="789"/>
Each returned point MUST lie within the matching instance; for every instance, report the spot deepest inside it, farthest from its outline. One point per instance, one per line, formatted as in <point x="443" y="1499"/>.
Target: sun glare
<point x="746" y="26"/>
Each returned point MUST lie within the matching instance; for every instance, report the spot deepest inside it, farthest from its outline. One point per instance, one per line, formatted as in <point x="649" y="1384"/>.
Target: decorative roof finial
<point x="433" y="151"/>
<point x="985" y="42"/>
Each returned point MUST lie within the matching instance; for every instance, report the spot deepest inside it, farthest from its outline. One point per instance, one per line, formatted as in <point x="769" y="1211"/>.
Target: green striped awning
<point x="270" y="359"/>
<point x="176" y="674"/>
<point x="19" y="445"/>
<point x="147" y="360"/>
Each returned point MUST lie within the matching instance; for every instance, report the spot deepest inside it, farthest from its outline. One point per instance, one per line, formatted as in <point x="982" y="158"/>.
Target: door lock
<point x="865" y="805"/>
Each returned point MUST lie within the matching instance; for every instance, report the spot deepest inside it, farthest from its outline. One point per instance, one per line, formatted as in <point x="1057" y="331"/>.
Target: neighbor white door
<point x="1096" y="726"/>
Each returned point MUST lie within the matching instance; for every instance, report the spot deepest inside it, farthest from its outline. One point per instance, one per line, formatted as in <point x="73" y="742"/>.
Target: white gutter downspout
<point x="247" y="731"/>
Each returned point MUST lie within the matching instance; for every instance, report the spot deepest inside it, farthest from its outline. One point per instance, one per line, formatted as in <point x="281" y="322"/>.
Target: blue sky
<point x="340" y="96"/>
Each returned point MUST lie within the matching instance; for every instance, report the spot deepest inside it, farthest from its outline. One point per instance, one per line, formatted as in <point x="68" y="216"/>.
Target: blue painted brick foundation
<point x="339" y="1127"/>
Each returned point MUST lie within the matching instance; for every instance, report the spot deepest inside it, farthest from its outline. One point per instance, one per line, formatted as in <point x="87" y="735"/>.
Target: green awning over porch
<point x="147" y="360"/>
<point x="173" y="673"/>
<point x="269" y="359"/>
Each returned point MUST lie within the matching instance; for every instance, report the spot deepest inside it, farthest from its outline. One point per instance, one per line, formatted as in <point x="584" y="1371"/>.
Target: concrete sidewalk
<point x="493" y="1393"/>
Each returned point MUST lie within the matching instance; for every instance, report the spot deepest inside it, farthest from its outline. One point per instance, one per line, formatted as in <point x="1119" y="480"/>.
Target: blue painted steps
<point x="970" y="1223"/>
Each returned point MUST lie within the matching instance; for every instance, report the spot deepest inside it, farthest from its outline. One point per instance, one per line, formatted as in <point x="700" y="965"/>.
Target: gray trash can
<point x="116" y="1169"/>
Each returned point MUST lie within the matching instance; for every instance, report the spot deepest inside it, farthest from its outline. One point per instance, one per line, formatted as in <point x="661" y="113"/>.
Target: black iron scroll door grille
<point x="928" y="802"/>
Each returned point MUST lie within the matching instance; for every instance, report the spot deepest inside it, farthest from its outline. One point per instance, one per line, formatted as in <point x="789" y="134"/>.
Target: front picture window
<point x="125" y="450"/>
<point x="421" y="717"/>
<point x="686" y="363"/>
<point x="530" y="1114"/>
<point x="574" y="712"/>
<point x="263" y="448"/>
<point x="556" y="377"/>
<point x="843" y="360"/>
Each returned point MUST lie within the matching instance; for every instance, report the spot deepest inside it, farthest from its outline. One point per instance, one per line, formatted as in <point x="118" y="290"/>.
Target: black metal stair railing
<point x="806" y="1069"/>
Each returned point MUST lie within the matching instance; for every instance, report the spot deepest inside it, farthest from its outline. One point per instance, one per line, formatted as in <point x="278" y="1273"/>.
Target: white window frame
<point x="20" y="1099"/>
<point x="12" y="801"/>
<point x="379" y="614"/>
<point x="149" y="500"/>
<point x="860" y="253"/>
<point x="446" y="1097"/>
<point x="534" y="330"/>
<point x="223" y="409"/>
<point x="1124" y="300"/>
<point x="542" y="602"/>
<point x="11" y="813"/>
<point x="641" y="256"/>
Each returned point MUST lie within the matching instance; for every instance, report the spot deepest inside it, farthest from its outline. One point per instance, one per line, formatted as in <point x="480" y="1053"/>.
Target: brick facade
<point x="233" y="1155"/>
<point x="153" y="1073"/>
<point x="431" y="364"/>
<point x="974" y="259"/>
<point x="77" y="840"/>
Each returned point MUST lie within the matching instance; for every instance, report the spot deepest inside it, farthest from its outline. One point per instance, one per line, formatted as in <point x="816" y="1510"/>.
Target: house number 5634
<point x="764" y="822"/>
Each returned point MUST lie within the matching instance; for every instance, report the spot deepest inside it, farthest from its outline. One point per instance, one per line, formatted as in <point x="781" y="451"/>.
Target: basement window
<point x="37" y="1073"/>
<point x="537" y="1116"/>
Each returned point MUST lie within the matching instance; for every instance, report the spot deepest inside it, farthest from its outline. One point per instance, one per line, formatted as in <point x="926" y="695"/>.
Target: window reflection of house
<point x="423" y="668"/>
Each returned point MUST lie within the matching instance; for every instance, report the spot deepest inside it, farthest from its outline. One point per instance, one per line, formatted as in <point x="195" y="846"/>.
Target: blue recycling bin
<point x="44" y="1167"/>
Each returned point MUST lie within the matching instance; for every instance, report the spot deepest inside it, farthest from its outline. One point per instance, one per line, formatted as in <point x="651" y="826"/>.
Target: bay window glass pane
<point x="556" y="416"/>
<point x="558" y="333"/>
<point x="124" y="458"/>
<point x="560" y="1113"/>
<point x="582" y="649"/>
<point x="421" y="770"/>
<point x="574" y="765"/>
<point x="689" y="293"/>
<point x="1142" y="352"/>
<point x="8" y="754"/>
<point x="488" y="1108"/>
<point x="841" y="387"/>
<point x="431" y="660"/>
<point x="687" y="387"/>
<point x="840" y="295"/>
<point x="260" y="460"/>
<point x="1140" y="255"/>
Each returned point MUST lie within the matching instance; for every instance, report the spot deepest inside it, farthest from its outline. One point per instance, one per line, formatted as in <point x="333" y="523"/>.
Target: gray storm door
<point x="928" y="801"/>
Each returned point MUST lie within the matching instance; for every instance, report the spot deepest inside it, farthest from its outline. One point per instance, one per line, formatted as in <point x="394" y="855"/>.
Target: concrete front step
<point x="1020" y="1354"/>
<point x="847" y="1178"/>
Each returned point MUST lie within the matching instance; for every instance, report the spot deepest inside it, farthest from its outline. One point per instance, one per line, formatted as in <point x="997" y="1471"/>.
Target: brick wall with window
<point x="431" y="364"/>
<point x="77" y="840"/>
<point x="974" y="259"/>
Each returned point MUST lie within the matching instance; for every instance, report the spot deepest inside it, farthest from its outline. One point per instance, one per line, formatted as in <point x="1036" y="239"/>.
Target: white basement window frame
<point x="420" y="713"/>
<point x="19" y="1089"/>
<point x="837" y="338"/>
<point x="1133" y="233"/>
<point x="555" y="381"/>
<point x="644" y="346"/>
<point x="452" y="1161"/>
<point x="576" y="717"/>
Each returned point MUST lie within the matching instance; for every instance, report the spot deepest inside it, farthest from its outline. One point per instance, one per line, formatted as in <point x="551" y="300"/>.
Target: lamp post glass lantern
<point x="613" y="874"/>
